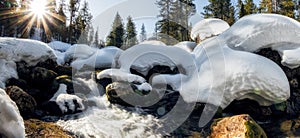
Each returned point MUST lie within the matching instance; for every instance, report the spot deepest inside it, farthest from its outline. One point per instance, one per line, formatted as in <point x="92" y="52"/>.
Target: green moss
<point x="281" y="106"/>
<point x="254" y="130"/>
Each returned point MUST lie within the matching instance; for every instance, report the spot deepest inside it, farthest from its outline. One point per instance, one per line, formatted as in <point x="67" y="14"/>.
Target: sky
<point x="142" y="11"/>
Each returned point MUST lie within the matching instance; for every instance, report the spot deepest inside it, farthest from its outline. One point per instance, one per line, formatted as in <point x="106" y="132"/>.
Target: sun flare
<point x="38" y="8"/>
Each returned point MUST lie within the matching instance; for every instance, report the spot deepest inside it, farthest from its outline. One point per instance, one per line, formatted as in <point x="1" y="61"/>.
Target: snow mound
<point x="59" y="46"/>
<point x="225" y="74"/>
<point x="67" y="101"/>
<point x="186" y="45"/>
<point x="144" y="57"/>
<point x="7" y="71"/>
<point x="258" y="31"/>
<point x="153" y="42"/>
<point x="30" y="51"/>
<point x="96" y="58"/>
<point x="79" y="51"/>
<point x="208" y="27"/>
<point x="60" y="57"/>
<point x="121" y="76"/>
<point x="291" y="58"/>
<point x="12" y="125"/>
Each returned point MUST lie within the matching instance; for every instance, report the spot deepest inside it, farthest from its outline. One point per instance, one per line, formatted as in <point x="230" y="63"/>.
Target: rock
<point x="117" y="89"/>
<point x="282" y="127"/>
<point x="17" y="82"/>
<point x="39" y="129"/>
<point x="74" y="85"/>
<point x="11" y="122"/>
<point x="237" y="126"/>
<point x="24" y="101"/>
<point x="63" y="70"/>
<point x="42" y="77"/>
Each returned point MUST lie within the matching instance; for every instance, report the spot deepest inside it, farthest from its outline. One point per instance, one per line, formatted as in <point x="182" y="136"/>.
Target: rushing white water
<point x="106" y="120"/>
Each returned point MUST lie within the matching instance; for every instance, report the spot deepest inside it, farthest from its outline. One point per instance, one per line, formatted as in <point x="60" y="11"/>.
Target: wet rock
<point x="17" y="82"/>
<point x="282" y="127"/>
<point x="24" y="101"/>
<point x="42" y="77"/>
<point x="237" y="126"/>
<point x="63" y="70"/>
<point x="39" y="129"/>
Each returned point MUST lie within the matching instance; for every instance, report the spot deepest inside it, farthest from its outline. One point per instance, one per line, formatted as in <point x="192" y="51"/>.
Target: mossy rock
<point x="24" y="101"/>
<point x="237" y="126"/>
<point x="39" y="129"/>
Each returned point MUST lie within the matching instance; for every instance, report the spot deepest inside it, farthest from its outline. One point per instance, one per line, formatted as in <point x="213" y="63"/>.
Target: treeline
<point x="225" y="10"/>
<point x="124" y="37"/>
<point x="62" y="21"/>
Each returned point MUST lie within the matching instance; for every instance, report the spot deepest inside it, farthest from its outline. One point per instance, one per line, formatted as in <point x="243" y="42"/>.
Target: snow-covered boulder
<point x="186" y="45"/>
<point x="12" y="125"/>
<point x="29" y="51"/>
<point x="96" y="58"/>
<point x="59" y="46"/>
<point x="231" y="74"/>
<point x="7" y="71"/>
<point x="144" y="57"/>
<point x="207" y="28"/>
<point x="255" y="32"/>
<point x="79" y="51"/>
<point x="154" y="42"/>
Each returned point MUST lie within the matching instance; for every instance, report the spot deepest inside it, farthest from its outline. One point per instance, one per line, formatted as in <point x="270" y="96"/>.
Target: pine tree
<point x="241" y="7"/>
<point x="7" y="16"/>
<point x="220" y="9"/>
<point x="287" y="8"/>
<point x="143" y="35"/>
<point x="130" y="36"/>
<point x="116" y="36"/>
<point x="73" y="8"/>
<point x="91" y="35"/>
<point x="96" y="39"/>
<point x="265" y="6"/>
<point x="250" y="7"/>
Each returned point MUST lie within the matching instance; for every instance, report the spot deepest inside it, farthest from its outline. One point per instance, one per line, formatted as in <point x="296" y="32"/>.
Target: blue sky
<point x="142" y="11"/>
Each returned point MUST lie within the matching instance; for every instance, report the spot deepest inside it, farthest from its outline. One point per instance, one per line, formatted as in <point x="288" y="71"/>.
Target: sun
<point x="38" y="8"/>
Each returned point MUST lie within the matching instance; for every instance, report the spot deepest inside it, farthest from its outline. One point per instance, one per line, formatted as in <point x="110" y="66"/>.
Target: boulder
<point x="42" y="77"/>
<point x="39" y="129"/>
<point x="24" y="101"/>
<point x="63" y="70"/>
<point x="237" y="126"/>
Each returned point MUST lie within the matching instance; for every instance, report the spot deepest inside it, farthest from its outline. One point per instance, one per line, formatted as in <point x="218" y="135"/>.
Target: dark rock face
<point x="293" y="75"/>
<point x="24" y="101"/>
<point x="42" y="78"/>
<point x="63" y="70"/>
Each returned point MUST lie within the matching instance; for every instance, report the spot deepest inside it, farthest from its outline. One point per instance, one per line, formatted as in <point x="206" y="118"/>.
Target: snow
<point x="258" y="31"/>
<point x="60" y="57"/>
<point x="12" y="125"/>
<point x="153" y="42"/>
<point x="225" y="74"/>
<point x="120" y="75"/>
<point x="79" y="51"/>
<point x="30" y="51"/>
<point x="291" y="58"/>
<point x="208" y="27"/>
<point x="84" y="55"/>
<point x="144" y="87"/>
<point x="7" y="71"/>
<point x="143" y="57"/>
<point x="66" y="101"/>
<point x="59" y="46"/>
<point x="186" y="45"/>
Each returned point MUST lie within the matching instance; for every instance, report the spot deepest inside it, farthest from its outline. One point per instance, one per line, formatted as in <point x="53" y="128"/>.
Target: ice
<point x="12" y="125"/>
<point x="30" y="51"/>
<point x="208" y="27"/>
<point x="59" y="46"/>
